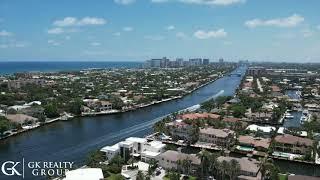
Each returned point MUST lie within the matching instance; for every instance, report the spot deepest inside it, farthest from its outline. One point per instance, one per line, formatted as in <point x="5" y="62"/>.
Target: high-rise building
<point x="221" y="60"/>
<point x="195" y="61"/>
<point x="205" y="61"/>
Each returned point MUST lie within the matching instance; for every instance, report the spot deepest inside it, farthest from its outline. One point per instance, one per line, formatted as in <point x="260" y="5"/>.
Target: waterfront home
<point x="179" y="129"/>
<point x="220" y="137"/>
<point x="259" y="116"/>
<point x="151" y="150"/>
<point x="195" y="116"/>
<point x="292" y="144"/>
<point x="104" y="106"/>
<point x="265" y="130"/>
<point x="283" y="130"/>
<point x="249" y="168"/>
<point x="111" y="151"/>
<point x="84" y="174"/>
<point x="258" y="143"/>
<point x="21" y="118"/>
<point x="174" y="160"/>
<point x="134" y="146"/>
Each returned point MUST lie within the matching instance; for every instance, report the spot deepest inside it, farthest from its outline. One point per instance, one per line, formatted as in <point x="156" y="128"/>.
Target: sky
<point x="125" y="30"/>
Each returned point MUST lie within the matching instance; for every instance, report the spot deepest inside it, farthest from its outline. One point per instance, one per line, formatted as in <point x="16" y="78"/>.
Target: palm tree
<point x="140" y="176"/>
<point x="213" y="163"/>
<point x="186" y="163"/>
<point x="203" y="156"/>
<point x="131" y="161"/>
<point x="266" y="165"/>
<point x="224" y="168"/>
<point x="235" y="169"/>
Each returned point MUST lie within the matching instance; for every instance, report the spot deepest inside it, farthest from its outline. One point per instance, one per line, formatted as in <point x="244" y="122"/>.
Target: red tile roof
<point x="199" y="116"/>
<point x="290" y="139"/>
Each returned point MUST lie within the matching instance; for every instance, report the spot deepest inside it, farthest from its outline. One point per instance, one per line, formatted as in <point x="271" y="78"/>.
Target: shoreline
<point x="113" y="112"/>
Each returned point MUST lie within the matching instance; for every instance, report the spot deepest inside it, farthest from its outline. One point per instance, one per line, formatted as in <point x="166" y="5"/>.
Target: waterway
<point x="73" y="140"/>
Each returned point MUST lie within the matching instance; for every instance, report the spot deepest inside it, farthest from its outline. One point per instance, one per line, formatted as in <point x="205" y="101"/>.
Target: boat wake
<point x="114" y="137"/>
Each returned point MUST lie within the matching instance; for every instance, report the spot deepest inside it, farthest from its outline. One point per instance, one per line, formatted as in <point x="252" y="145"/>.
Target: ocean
<point x="56" y="66"/>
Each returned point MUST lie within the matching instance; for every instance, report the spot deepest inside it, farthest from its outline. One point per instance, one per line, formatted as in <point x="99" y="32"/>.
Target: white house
<point x="84" y="174"/>
<point x="111" y="151"/>
<point x="134" y="146"/>
<point x="151" y="150"/>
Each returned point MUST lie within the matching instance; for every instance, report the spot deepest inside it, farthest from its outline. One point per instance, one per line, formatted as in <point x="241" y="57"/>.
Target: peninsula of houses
<point x="31" y="99"/>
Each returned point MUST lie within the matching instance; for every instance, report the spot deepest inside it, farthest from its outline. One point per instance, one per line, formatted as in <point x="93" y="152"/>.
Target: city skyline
<point x="134" y="30"/>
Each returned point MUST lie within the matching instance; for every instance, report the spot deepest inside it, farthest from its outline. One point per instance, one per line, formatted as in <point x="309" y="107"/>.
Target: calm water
<point x="51" y="66"/>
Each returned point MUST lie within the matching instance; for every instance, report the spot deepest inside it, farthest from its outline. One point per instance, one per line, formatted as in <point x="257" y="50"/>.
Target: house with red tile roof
<point x="292" y="144"/>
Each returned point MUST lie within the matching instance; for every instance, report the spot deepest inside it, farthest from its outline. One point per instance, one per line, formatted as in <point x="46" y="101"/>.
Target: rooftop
<point x="217" y="132"/>
<point x="256" y="142"/>
<point x="290" y="139"/>
<point x="175" y="156"/>
<point x="84" y="174"/>
<point x="246" y="164"/>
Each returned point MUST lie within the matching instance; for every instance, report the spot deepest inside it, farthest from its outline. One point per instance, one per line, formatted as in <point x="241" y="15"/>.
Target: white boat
<point x="304" y="119"/>
<point x="289" y="116"/>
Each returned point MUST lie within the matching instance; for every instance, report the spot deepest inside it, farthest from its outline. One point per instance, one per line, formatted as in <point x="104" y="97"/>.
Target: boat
<point x="289" y="116"/>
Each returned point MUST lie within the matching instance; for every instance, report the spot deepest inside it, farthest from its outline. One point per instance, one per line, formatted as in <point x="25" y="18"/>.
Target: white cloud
<point x="67" y="37"/>
<point x="170" y="28"/>
<point x="55" y="31"/>
<point x="318" y="27"/>
<point x="14" y="44"/>
<point x="227" y="43"/>
<point x="201" y="34"/>
<point x="213" y="2"/>
<point x="288" y="35"/>
<point x="5" y="33"/>
<point x="95" y="53"/>
<point x="117" y="34"/>
<point x="181" y="35"/>
<point x="72" y="21"/>
<point x="155" y="37"/>
<point x="291" y="21"/>
<point x="3" y="46"/>
<point x="53" y="42"/>
<point x="127" y="29"/>
<point x="124" y="2"/>
<point x="307" y="33"/>
<point x="95" y="44"/>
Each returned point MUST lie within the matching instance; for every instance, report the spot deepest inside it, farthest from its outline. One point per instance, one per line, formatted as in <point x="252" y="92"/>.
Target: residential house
<point x="179" y="129"/>
<point x="105" y="106"/>
<point x="111" y="151"/>
<point x="220" y="137"/>
<point x="194" y="116"/>
<point x="136" y="147"/>
<point x="21" y="118"/>
<point x="292" y="144"/>
<point x="151" y="150"/>
<point x="249" y="168"/>
<point x="260" y="144"/>
<point x="84" y="173"/>
<point x="173" y="160"/>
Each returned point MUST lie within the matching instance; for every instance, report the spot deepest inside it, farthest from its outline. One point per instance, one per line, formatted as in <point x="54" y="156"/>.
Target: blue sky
<point x="272" y="30"/>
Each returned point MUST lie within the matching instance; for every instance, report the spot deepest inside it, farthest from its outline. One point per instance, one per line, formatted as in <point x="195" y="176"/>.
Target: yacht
<point x="289" y="116"/>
